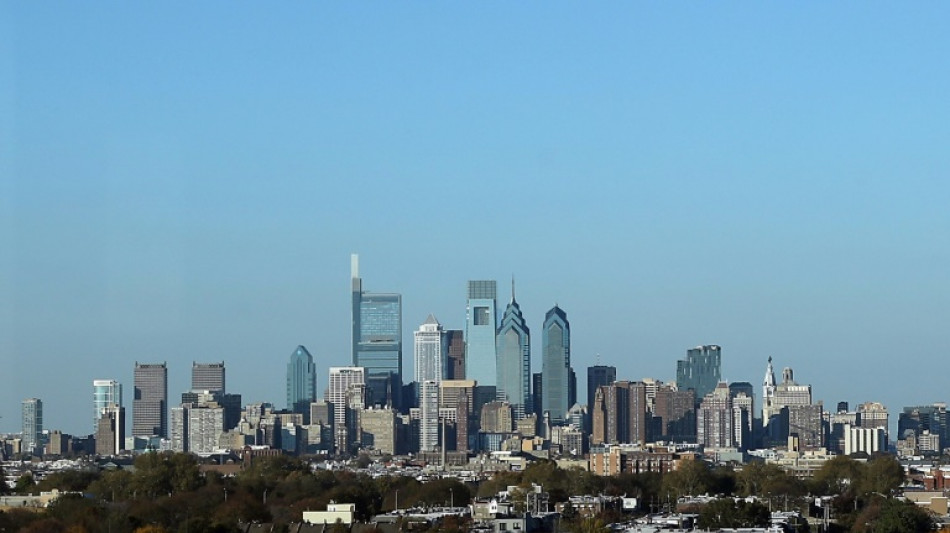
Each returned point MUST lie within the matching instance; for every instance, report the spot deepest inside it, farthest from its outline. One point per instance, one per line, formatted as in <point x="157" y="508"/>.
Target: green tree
<point x="25" y="484"/>
<point x="691" y="477"/>
<point x="882" y="474"/>
<point x="728" y="513"/>
<point x="838" y="476"/>
<point x="890" y="515"/>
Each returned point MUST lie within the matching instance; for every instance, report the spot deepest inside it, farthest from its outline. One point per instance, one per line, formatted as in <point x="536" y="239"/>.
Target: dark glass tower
<point x="514" y="360"/>
<point x="556" y="364"/>
<point x="301" y="381"/>
<point x="700" y="370"/>
<point x="377" y="340"/>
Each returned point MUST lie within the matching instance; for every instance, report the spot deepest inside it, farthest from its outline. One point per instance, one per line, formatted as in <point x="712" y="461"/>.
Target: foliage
<point x="890" y="515"/>
<point x="691" y="477"/>
<point x="882" y="474"/>
<point x="25" y="484"/>
<point x="68" y="480"/>
<point x="728" y="513"/>
<point x="839" y="475"/>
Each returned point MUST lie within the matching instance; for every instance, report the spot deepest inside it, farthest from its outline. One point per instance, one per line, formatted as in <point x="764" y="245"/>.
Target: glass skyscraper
<point x="556" y="364"/>
<point x="32" y="425"/>
<point x="700" y="370"/>
<point x="513" y="360"/>
<point x="301" y="381"/>
<point x="481" y="323"/>
<point x="105" y="393"/>
<point x="377" y="340"/>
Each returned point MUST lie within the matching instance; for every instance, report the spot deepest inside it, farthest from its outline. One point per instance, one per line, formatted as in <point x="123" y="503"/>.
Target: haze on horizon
<point x="187" y="184"/>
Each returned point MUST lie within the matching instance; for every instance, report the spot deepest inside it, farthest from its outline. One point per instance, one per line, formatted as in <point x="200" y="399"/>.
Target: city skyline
<point x="188" y="185"/>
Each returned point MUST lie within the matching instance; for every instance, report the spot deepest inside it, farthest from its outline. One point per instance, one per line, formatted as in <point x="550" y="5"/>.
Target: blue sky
<point x="186" y="183"/>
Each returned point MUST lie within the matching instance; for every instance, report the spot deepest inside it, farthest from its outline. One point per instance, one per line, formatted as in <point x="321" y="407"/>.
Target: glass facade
<point x="556" y="364"/>
<point x="480" y="330"/>
<point x="301" y="380"/>
<point x="105" y="393"/>
<point x="513" y="361"/>
<point x="377" y="340"/>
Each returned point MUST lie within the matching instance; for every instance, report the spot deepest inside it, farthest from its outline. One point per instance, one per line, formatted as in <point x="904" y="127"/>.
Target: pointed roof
<point x="431" y="320"/>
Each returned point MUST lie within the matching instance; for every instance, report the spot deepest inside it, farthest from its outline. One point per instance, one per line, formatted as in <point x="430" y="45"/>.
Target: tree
<point x="728" y="513"/>
<point x="882" y="474"/>
<point x="890" y="515"/>
<point x="25" y="484"/>
<point x="691" y="477"/>
<point x="838" y="476"/>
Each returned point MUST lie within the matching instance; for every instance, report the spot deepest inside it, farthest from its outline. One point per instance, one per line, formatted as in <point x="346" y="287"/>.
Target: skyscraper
<point x="105" y="393"/>
<point x="207" y="377"/>
<point x="430" y="345"/>
<point x="301" y="381"/>
<point x="556" y="364"/>
<point x="150" y="402"/>
<point x="700" y="370"/>
<point x="513" y="360"/>
<point x="377" y="339"/>
<point x="32" y="425"/>
<point x="429" y="422"/>
<point x="455" y="354"/>
<point x="481" y="323"/>
<point x="342" y="380"/>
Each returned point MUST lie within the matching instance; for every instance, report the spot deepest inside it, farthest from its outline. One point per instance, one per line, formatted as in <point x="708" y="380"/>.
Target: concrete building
<point x="714" y="419"/>
<point x="430" y="348"/>
<point x="208" y="377"/>
<point x="110" y="432"/>
<point x="379" y="430"/>
<point x="866" y="440"/>
<point x="455" y="354"/>
<point x="32" y="437"/>
<point x="342" y="379"/>
<point x="150" y="401"/>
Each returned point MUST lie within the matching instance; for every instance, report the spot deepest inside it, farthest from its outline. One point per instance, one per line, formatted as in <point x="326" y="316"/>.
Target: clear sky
<point x="184" y="182"/>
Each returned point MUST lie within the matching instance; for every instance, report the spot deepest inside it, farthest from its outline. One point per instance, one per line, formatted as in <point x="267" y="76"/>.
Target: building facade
<point x="455" y="354"/>
<point x="340" y="395"/>
<point x="700" y="371"/>
<point x="513" y="360"/>
<point x="301" y="381"/>
<point x="556" y="365"/>
<point x="105" y="393"/>
<point x="429" y="343"/>
<point x="150" y="402"/>
<point x="377" y="340"/>
<point x="32" y="411"/>
<point x="481" y="323"/>
<point x="208" y="377"/>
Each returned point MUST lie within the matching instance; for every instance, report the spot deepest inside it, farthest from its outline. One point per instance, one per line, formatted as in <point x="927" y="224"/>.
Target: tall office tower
<point x="110" y="431"/>
<point x="537" y="390"/>
<point x="513" y="360"/>
<point x="743" y="426"/>
<point x="556" y="364"/>
<point x="301" y="381"/>
<point x="700" y="370"/>
<point x="874" y="415"/>
<point x="32" y="425"/>
<point x="714" y="419"/>
<point x="455" y="356"/>
<point x="207" y="377"/>
<point x="105" y="393"/>
<point x="598" y="376"/>
<point x="342" y="379"/>
<point x="481" y="323"/>
<point x="430" y="347"/>
<point x="377" y="340"/>
<point x="674" y="414"/>
<point x="429" y="423"/>
<point x="150" y="402"/>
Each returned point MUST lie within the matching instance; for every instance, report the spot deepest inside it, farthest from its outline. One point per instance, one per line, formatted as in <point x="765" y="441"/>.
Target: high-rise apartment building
<point x="301" y="381"/>
<point x="150" y="402"/>
<point x="377" y="340"/>
<point x="513" y="360"/>
<point x="620" y="413"/>
<point x="429" y="421"/>
<point x="874" y="415"/>
<point x="556" y="365"/>
<point x="32" y="425"/>
<point x="340" y="393"/>
<point x="674" y="414"/>
<point x="105" y="393"/>
<point x="429" y="347"/>
<point x="207" y="377"/>
<point x="455" y="354"/>
<point x="714" y="419"/>
<point x="481" y="323"/>
<point x="700" y="370"/>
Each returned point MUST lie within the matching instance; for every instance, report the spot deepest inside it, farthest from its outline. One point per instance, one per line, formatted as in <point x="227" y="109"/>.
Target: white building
<point x="430" y="351"/>
<point x="867" y="440"/>
<point x="335" y="511"/>
<point x="342" y="378"/>
<point x="429" y="418"/>
<point x="105" y="393"/>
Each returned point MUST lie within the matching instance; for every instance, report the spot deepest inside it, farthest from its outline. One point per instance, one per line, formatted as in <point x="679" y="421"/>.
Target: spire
<point x="512" y="288"/>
